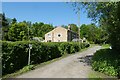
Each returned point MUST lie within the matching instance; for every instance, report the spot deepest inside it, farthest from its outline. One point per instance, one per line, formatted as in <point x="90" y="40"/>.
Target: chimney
<point x="69" y="28"/>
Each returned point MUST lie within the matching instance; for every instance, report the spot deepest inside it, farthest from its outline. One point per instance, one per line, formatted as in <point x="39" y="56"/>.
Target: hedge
<point x="15" y="54"/>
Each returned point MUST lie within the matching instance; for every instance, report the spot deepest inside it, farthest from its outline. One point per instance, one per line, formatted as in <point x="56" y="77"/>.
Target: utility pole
<point x="79" y="23"/>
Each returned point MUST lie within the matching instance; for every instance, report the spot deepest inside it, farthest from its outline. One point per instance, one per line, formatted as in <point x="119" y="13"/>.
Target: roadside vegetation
<point x="35" y="66"/>
<point x="106" y="61"/>
<point x="15" y="56"/>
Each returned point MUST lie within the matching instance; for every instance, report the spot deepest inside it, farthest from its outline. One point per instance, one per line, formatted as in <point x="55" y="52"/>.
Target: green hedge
<point x="107" y="62"/>
<point x="15" y="54"/>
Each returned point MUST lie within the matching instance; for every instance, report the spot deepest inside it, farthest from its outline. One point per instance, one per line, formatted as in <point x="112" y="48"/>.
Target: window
<point x="49" y="35"/>
<point x="58" y="40"/>
<point x="49" y="41"/>
<point x="59" y="35"/>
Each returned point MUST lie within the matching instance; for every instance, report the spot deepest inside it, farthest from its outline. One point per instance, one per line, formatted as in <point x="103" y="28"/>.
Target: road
<point x="74" y="66"/>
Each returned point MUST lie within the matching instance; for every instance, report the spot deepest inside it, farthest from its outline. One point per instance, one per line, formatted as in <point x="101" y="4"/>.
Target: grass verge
<point x="94" y="75"/>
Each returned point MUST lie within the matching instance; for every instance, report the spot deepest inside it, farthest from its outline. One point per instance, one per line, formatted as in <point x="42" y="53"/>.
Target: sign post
<point x="30" y="47"/>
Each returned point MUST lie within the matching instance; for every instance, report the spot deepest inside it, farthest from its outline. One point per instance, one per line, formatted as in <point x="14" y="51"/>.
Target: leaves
<point x="18" y="32"/>
<point x="107" y="14"/>
<point x="105" y="61"/>
<point x="15" y="54"/>
<point x="93" y="33"/>
<point x="40" y="29"/>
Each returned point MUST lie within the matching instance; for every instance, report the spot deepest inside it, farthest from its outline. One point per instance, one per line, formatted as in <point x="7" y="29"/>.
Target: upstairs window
<point x="59" y="35"/>
<point x="49" y="35"/>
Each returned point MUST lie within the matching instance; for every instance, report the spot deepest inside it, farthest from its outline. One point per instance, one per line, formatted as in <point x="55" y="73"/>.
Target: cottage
<point x="60" y="34"/>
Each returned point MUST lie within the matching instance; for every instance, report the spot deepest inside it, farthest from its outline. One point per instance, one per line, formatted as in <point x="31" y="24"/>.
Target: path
<point x="73" y="66"/>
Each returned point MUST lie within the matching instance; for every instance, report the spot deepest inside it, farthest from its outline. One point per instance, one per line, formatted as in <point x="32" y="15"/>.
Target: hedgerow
<point x="15" y="54"/>
<point x="107" y="62"/>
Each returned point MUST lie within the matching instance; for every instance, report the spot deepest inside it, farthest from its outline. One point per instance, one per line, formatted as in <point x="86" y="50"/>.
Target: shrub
<point x="75" y="47"/>
<point x="52" y="50"/>
<point x="106" y="61"/>
<point x="15" y="54"/>
<point x="64" y="48"/>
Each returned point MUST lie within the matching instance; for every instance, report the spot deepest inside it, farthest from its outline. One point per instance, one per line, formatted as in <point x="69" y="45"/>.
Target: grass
<point x="105" y="46"/>
<point x="99" y="76"/>
<point x="27" y="69"/>
<point x="95" y="76"/>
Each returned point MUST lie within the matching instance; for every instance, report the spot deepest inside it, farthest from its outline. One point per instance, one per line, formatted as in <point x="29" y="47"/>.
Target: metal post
<point x="30" y="47"/>
<point x="29" y="58"/>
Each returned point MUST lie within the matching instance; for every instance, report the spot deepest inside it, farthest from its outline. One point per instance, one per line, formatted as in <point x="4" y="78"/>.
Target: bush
<point x="106" y="61"/>
<point x="15" y="54"/>
<point x="64" y="48"/>
<point x="84" y="45"/>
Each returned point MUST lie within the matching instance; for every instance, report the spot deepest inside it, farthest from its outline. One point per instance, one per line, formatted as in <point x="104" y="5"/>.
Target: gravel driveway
<point x="74" y="66"/>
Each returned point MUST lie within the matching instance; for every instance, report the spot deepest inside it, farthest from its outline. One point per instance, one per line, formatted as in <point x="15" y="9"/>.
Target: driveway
<point x="74" y="66"/>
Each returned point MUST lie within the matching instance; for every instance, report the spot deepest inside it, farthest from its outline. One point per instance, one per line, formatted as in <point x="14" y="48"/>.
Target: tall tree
<point x="74" y="27"/>
<point x="110" y="13"/>
<point x="65" y="26"/>
<point x="4" y="20"/>
<point x="14" y="20"/>
<point x="93" y="33"/>
<point x="19" y="32"/>
<point x="40" y="29"/>
<point x="46" y="28"/>
<point x="5" y="27"/>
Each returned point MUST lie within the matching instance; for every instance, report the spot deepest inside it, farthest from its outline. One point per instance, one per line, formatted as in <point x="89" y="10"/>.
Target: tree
<point x="46" y="28"/>
<point x="109" y="12"/>
<point x="74" y="27"/>
<point x="89" y="32"/>
<point x="64" y="26"/>
<point x="14" y="20"/>
<point x="40" y="29"/>
<point x="93" y="33"/>
<point x="5" y="27"/>
<point x="18" y="32"/>
<point x="4" y="21"/>
<point x="84" y="31"/>
<point x="36" y="29"/>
